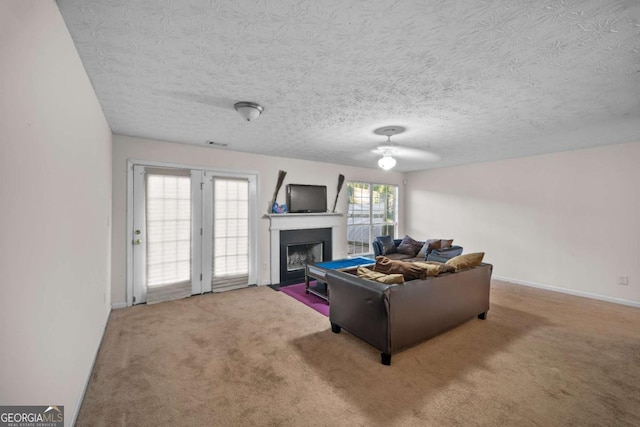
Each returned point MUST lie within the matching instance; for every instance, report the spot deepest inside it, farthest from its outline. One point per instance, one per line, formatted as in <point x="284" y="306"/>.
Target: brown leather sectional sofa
<point x="394" y="317"/>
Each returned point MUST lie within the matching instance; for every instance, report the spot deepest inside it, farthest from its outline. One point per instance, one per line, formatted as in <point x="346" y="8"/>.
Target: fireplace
<point x="333" y="246"/>
<point x="300" y="254"/>
<point x="301" y="247"/>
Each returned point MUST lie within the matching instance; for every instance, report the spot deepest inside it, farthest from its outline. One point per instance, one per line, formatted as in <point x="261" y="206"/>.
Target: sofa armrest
<point x="443" y="255"/>
<point x="361" y="307"/>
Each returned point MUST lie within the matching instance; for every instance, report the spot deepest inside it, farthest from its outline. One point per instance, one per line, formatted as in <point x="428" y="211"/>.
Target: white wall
<point x="55" y="186"/>
<point x="298" y="172"/>
<point x="567" y="220"/>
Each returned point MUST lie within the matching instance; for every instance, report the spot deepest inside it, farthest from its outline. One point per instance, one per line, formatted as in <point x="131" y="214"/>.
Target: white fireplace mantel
<point x="293" y="221"/>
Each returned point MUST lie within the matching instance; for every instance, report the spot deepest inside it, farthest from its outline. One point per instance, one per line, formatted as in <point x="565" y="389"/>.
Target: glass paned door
<point x="193" y="231"/>
<point x="230" y="267"/>
<point x="168" y="230"/>
<point x="162" y="255"/>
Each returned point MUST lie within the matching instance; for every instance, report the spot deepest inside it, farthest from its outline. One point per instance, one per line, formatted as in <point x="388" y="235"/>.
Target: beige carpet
<point x="259" y="357"/>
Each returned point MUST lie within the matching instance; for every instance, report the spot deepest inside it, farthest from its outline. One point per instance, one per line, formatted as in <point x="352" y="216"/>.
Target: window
<point x="372" y="212"/>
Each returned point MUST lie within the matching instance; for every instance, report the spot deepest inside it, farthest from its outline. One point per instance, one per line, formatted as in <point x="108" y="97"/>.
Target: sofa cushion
<point x="409" y="246"/>
<point x="461" y="262"/>
<point x="388" y="279"/>
<point x="387" y="243"/>
<point x="407" y="269"/>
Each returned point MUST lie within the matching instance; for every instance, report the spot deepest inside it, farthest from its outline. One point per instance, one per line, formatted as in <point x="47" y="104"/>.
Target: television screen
<point x="306" y="198"/>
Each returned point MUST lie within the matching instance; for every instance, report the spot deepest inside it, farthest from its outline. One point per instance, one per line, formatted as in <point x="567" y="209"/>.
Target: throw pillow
<point x="388" y="279"/>
<point x="461" y="262"/>
<point x="428" y="246"/>
<point x="391" y="279"/>
<point x="387" y="243"/>
<point x="431" y="269"/>
<point x="409" y="246"/>
<point x="444" y="268"/>
<point x="366" y="273"/>
<point x="445" y="244"/>
<point x="390" y="266"/>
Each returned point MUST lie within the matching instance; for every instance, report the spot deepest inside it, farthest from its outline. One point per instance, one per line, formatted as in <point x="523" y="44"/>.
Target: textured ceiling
<point x="470" y="80"/>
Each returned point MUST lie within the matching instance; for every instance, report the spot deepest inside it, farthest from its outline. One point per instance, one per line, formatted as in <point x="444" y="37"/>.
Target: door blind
<point x="230" y="233"/>
<point x="168" y="223"/>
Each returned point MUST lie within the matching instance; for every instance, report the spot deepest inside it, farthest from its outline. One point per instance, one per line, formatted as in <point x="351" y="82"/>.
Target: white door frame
<point x="207" y="253"/>
<point x="196" y="232"/>
<point x="253" y="177"/>
<point x="138" y="272"/>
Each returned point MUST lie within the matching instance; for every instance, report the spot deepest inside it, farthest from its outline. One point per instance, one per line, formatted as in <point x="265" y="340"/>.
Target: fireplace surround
<point x="303" y="221"/>
<point x="299" y="247"/>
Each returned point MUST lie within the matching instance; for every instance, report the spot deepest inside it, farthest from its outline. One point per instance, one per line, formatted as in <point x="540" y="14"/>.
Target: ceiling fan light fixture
<point x="386" y="162"/>
<point x="248" y="110"/>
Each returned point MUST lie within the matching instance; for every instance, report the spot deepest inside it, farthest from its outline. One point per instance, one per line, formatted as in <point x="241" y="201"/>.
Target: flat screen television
<point x="306" y="198"/>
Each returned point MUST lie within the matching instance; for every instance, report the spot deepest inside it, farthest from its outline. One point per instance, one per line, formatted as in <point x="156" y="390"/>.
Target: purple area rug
<point x="297" y="292"/>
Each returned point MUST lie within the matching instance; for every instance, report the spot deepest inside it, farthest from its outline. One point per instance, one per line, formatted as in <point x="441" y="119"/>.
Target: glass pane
<point x="372" y="212"/>
<point x="168" y="204"/>
<point x="230" y="228"/>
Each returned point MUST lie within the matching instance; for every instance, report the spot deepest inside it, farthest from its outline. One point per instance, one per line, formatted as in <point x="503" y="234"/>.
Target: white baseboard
<point x="86" y="383"/>
<point x="117" y="305"/>
<point x="569" y="291"/>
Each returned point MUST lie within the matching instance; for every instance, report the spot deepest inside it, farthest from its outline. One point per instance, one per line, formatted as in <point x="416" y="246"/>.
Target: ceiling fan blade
<point x="406" y="152"/>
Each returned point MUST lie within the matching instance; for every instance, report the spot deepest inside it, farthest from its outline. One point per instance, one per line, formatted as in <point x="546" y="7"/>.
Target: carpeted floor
<point x="259" y="357"/>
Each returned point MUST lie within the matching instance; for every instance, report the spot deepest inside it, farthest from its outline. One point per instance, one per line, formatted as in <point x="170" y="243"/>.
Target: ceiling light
<point x="248" y="110"/>
<point x="386" y="162"/>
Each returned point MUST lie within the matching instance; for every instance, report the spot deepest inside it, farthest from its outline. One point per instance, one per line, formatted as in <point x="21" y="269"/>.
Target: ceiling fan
<point x="390" y="150"/>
